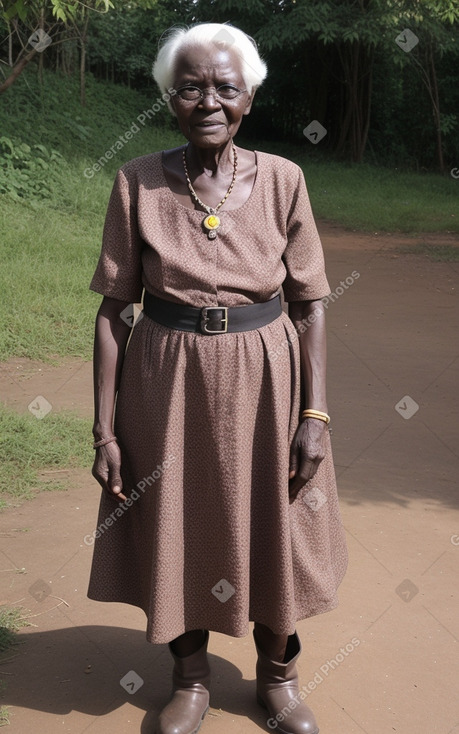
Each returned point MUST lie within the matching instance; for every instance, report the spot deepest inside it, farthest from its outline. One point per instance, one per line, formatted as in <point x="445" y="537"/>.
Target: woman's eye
<point x="228" y="90"/>
<point x="189" y="92"/>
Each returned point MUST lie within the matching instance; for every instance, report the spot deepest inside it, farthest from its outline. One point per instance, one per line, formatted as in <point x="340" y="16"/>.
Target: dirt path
<point x="385" y="660"/>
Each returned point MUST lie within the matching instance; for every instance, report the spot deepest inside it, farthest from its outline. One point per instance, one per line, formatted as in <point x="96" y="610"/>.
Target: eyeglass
<point x="225" y="92"/>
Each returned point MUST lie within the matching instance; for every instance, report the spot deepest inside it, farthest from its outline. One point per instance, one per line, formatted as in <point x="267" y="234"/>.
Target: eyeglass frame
<point x="204" y="92"/>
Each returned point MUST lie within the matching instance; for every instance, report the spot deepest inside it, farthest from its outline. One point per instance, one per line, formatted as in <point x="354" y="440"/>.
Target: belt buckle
<point x="205" y="319"/>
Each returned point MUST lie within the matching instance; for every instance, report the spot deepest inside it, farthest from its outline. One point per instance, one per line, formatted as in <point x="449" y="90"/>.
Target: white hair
<point x="222" y="35"/>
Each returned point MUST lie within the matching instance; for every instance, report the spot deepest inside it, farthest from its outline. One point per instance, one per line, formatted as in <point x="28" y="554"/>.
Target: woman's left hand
<point x="306" y="452"/>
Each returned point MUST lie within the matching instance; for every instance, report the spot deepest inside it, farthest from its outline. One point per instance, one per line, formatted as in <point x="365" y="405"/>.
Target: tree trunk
<point x="17" y="70"/>
<point x="346" y="118"/>
<point x="357" y="65"/>
<point x="428" y="76"/>
<point x="10" y="47"/>
<point x="356" y="131"/>
<point x="436" y="109"/>
<point x="83" y="63"/>
<point x="317" y="84"/>
<point x="369" y="91"/>
<point x="40" y="60"/>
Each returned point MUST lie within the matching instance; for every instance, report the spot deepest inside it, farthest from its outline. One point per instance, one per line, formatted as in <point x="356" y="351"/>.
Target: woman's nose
<point x="209" y="99"/>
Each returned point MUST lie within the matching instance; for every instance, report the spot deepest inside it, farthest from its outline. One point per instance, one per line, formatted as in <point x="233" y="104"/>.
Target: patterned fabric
<point x="211" y="539"/>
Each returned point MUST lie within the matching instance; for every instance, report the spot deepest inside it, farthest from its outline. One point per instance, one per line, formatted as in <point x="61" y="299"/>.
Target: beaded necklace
<point x="211" y="222"/>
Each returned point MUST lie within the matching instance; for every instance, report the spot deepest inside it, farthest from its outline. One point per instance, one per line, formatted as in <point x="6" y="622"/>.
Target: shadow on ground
<point x="80" y="669"/>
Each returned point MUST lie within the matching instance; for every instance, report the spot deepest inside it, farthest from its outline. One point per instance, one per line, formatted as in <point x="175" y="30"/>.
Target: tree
<point x="432" y="22"/>
<point x="323" y="55"/>
<point x="122" y="44"/>
<point x="33" y="25"/>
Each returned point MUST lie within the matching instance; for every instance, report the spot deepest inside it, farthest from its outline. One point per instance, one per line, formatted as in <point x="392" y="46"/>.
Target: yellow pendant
<point x="211" y="222"/>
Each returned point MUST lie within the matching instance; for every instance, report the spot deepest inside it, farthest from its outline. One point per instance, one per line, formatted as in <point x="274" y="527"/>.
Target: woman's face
<point x="209" y="122"/>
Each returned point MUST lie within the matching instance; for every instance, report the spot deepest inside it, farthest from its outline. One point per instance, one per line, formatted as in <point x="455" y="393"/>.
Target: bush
<point x="25" y="171"/>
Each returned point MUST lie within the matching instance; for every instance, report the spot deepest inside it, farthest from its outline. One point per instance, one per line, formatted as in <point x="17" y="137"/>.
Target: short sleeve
<point x="303" y="256"/>
<point x="119" y="270"/>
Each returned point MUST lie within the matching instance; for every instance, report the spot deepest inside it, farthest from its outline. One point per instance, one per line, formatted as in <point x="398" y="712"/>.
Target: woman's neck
<point x="211" y="161"/>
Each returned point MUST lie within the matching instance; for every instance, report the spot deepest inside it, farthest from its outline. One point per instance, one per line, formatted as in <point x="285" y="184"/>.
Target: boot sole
<point x="195" y="731"/>
<point x="200" y="723"/>
<point x="278" y="728"/>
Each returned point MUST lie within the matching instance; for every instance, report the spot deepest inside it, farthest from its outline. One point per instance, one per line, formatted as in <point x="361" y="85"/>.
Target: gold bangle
<point x="310" y="413"/>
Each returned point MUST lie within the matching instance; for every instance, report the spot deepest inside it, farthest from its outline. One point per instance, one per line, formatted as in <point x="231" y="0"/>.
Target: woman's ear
<point x="248" y="105"/>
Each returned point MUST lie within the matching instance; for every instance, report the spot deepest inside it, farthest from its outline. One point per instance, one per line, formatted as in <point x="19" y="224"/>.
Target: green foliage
<point x="321" y="55"/>
<point x="49" y="113"/>
<point x="63" y="10"/>
<point x="25" y="171"/>
<point x="328" y="60"/>
<point x="123" y="44"/>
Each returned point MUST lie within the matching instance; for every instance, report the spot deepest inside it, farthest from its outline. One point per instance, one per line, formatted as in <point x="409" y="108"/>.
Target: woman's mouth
<point x="209" y="124"/>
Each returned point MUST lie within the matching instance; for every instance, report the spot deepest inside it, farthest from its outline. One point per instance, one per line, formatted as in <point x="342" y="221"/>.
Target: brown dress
<point x="211" y="539"/>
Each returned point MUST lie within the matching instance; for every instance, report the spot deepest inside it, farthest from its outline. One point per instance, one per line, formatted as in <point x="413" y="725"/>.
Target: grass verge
<point x="435" y="253"/>
<point x="375" y="199"/>
<point x="29" y="445"/>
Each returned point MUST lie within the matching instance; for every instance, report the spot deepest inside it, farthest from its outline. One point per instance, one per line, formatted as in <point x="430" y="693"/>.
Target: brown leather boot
<point x="190" y="693"/>
<point x="277" y="691"/>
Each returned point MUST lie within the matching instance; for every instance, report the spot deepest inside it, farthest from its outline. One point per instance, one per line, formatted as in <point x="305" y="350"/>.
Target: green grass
<point x="29" y="445"/>
<point x="375" y="199"/>
<point x="435" y="253"/>
<point x="12" y="619"/>
<point x="50" y="246"/>
<point x="47" y="306"/>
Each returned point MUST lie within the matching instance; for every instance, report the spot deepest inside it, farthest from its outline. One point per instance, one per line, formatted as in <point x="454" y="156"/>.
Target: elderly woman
<point x="219" y="504"/>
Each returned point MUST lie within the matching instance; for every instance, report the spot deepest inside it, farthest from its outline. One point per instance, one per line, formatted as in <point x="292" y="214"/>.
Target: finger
<point x="307" y="471"/>
<point x="115" y="488"/>
<point x="293" y="463"/>
<point x="295" y="486"/>
<point x="116" y="491"/>
<point x="116" y="485"/>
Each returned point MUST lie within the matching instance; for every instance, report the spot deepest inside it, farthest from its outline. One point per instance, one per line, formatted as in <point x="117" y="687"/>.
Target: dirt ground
<point x="386" y="660"/>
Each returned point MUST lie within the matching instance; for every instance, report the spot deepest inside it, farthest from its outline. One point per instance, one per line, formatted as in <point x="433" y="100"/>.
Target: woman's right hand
<point x="111" y="336"/>
<point x="106" y="469"/>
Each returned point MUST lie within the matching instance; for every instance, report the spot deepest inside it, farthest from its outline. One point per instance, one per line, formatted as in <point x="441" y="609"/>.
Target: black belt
<point x="211" y="319"/>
